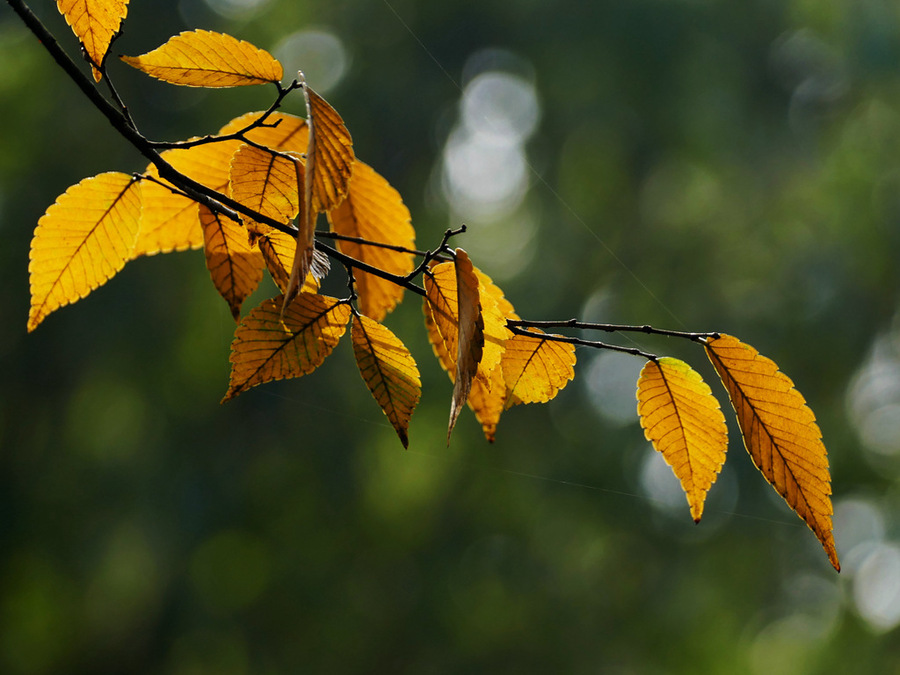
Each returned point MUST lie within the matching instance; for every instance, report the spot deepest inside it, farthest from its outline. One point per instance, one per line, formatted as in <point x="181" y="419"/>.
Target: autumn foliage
<point x="251" y="195"/>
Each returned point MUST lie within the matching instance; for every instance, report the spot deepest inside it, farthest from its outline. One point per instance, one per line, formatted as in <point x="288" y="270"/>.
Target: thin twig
<point x="611" y="328"/>
<point x="596" y="344"/>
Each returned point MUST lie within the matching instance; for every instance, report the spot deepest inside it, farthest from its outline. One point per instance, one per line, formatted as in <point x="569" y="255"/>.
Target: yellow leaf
<point x="169" y="222"/>
<point x="488" y="394"/>
<point x="278" y="251"/>
<point x="389" y="371"/>
<point x="329" y="156"/>
<point x="202" y="58"/>
<point x="235" y="266"/>
<point x="780" y="433"/>
<point x="494" y="310"/>
<point x="267" y="183"/>
<point x="267" y="347"/>
<point x="536" y="369"/>
<point x="374" y="210"/>
<point x="681" y="418"/>
<point x="82" y="240"/>
<point x="282" y="131"/>
<point x="94" y="22"/>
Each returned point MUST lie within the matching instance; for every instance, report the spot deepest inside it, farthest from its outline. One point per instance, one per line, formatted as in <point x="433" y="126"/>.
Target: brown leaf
<point x="780" y="433"/>
<point x="470" y="336"/>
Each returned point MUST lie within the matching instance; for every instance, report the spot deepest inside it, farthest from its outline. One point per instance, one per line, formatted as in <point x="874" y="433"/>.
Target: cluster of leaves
<point x="250" y="196"/>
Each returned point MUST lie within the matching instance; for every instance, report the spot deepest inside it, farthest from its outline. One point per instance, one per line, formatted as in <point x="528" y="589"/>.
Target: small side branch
<point x="595" y="344"/>
<point x="612" y="328"/>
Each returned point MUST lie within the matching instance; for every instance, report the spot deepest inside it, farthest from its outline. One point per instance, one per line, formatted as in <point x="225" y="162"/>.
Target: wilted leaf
<point x="373" y="210"/>
<point x="82" y="240"/>
<point x="267" y="183"/>
<point x="470" y="336"/>
<point x="267" y="347"/>
<point x="94" y="22"/>
<point x="202" y="58"/>
<point x="278" y="251"/>
<point x="389" y="371"/>
<point x="235" y="266"/>
<point x="329" y="155"/>
<point x="682" y="419"/>
<point x="780" y="433"/>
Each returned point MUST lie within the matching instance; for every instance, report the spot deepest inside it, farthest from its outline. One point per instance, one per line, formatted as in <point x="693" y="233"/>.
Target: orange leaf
<point x="202" y="58"/>
<point x="374" y="210"/>
<point x="267" y="183"/>
<point x="389" y="371"/>
<point x="82" y="241"/>
<point x="329" y="156"/>
<point x="267" y="347"/>
<point x="780" y="433"/>
<point x="470" y="334"/>
<point x="94" y="22"/>
<point x="278" y="251"/>
<point x="235" y="266"/>
<point x="681" y="418"/>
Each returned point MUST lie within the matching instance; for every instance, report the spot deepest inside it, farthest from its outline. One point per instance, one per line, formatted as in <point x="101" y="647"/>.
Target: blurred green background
<point x="691" y="164"/>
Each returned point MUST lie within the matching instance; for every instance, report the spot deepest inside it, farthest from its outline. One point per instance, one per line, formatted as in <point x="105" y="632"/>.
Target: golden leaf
<point x="389" y="371"/>
<point x="235" y="266"/>
<point x="202" y="58"/>
<point x="329" y="154"/>
<point x="169" y="222"/>
<point x="535" y="369"/>
<point x="682" y="419"/>
<point x="374" y="210"/>
<point x="82" y="241"/>
<point x="780" y="433"/>
<point x="267" y="347"/>
<point x="95" y="23"/>
<point x="486" y="399"/>
<point x="278" y="251"/>
<point x="281" y="131"/>
<point x="267" y="183"/>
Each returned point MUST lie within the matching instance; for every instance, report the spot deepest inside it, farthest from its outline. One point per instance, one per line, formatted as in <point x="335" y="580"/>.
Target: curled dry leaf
<point x="780" y="433"/>
<point x="95" y="23"/>
<point x="388" y="370"/>
<point x="267" y="347"/>
<point x="202" y="58"/>
<point x="82" y="241"/>
<point x="682" y="419"/>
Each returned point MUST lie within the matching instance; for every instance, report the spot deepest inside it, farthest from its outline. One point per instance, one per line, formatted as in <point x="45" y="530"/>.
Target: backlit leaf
<point x="389" y="371"/>
<point x="267" y="347"/>
<point x="235" y="266"/>
<point x="683" y="421"/>
<point x="374" y="210"/>
<point x="82" y="240"/>
<point x="281" y="131"/>
<point x="536" y="369"/>
<point x="202" y="58"/>
<point x="169" y="222"/>
<point x="267" y="183"/>
<point x="470" y="334"/>
<point x="94" y="22"/>
<point x="278" y="251"/>
<point x="329" y="153"/>
<point x="780" y="433"/>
